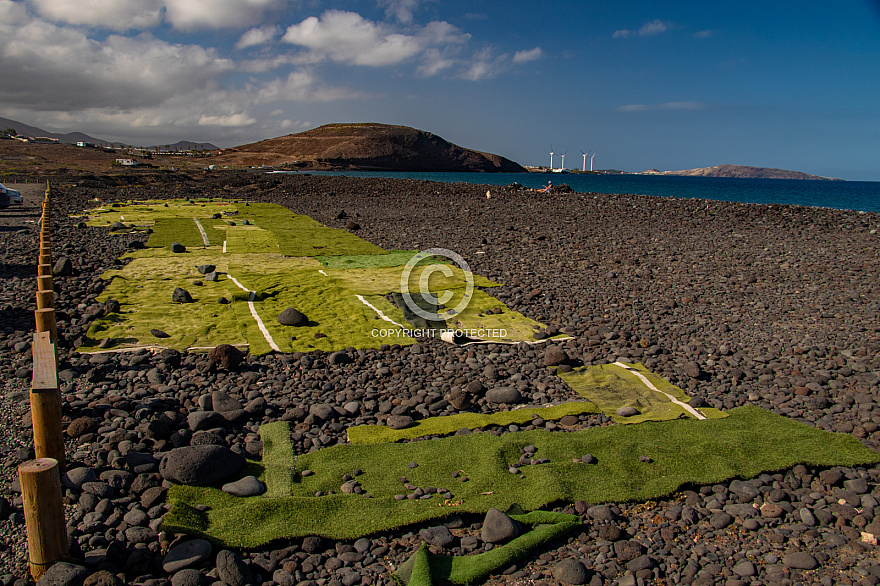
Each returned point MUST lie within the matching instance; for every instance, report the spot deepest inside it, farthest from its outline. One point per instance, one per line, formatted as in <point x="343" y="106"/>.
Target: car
<point x="12" y="196"/>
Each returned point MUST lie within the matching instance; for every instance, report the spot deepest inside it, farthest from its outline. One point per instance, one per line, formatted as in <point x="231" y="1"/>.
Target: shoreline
<point x="770" y="305"/>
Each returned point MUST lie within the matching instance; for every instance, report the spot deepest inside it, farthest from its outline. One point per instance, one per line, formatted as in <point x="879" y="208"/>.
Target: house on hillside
<point x="127" y="162"/>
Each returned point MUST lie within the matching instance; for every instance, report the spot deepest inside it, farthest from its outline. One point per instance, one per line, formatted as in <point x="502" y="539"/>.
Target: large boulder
<point x="225" y="356"/>
<point x="177" y="247"/>
<point x="63" y="267"/>
<point x="200" y="465"/>
<point x="554" y="356"/>
<point x="506" y="395"/>
<point x="498" y="527"/>
<point x="181" y="296"/>
<point x="292" y="317"/>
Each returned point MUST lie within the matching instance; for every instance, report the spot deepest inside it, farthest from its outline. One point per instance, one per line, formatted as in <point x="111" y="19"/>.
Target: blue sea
<point x="846" y="195"/>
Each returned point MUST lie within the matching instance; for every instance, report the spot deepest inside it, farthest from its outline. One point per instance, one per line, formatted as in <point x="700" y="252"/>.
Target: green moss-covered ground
<point x="748" y="442"/>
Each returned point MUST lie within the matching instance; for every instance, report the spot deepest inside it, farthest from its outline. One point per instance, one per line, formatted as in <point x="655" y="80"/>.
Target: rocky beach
<point x="737" y="304"/>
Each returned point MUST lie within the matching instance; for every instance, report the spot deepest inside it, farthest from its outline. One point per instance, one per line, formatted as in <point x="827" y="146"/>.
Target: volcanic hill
<point x="742" y="171"/>
<point x="365" y="147"/>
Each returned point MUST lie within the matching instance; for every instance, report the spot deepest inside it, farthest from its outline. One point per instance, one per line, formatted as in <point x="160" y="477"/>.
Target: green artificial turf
<point x="145" y="212"/>
<point x="251" y="240"/>
<point x="393" y="258"/>
<point x="299" y="235"/>
<point x="611" y="387"/>
<point x="374" y="434"/>
<point x="424" y="568"/>
<point x="748" y="442"/>
<point x="287" y="260"/>
<point x="182" y="230"/>
<point x="216" y="233"/>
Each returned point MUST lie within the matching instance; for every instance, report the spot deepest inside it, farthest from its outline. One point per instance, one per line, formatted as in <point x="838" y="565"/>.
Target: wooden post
<point x="43" y="514"/>
<point x="45" y="319"/>
<point x="45" y="283"/>
<point x="44" y="270"/>
<point x="45" y="257"/>
<point x="45" y="299"/>
<point x="46" y="401"/>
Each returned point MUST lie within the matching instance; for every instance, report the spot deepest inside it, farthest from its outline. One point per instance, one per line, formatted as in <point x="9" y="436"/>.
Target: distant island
<point x="741" y="171"/>
<point x="364" y="147"/>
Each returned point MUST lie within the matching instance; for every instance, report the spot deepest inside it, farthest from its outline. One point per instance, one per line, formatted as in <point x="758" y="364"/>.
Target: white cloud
<point x="664" y="106"/>
<point x="12" y="13"/>
<point x="195" y="14"/>
<point x="485" y="64"/>
<point x="48" y="67"/>
<point x="299" y="86"/>
<point x="649" y="29"/>
<point x="530" y="55"/>
<point x="433" y="62"/>
<point x="402" y="10"/>
<point x="257" y="36"/>
<point x="119" y="15"/>
<point x="704" y="34"/>
<point x="232" y="120"/>
<point x="347" y="37"/>
<point x="655" y="27"/>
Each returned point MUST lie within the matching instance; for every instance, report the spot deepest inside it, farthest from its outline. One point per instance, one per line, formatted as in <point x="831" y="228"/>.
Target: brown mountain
<point x="365" y="147"/>
<point x="742" y="171"/>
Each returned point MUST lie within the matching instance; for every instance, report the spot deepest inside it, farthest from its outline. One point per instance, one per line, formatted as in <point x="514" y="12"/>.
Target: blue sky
<point x="671" y="85"/>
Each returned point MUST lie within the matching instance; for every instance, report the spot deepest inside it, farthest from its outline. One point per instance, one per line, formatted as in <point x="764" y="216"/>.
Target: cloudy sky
<point x="667" y="85"/>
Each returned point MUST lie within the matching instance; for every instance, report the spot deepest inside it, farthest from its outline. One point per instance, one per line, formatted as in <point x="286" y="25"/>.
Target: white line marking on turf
<point x="202" y="230"/>
<point x="645" y="380"/>
<point x="378" y="311"/>
<point x="253" y="309"/>
<point x="224" y="247"/>
<point x="325" y="274"/>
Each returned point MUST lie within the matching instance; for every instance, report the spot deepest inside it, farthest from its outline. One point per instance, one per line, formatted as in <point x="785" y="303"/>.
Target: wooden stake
<point x="45" y="299"/>
<point x="45" y="258"/>
<point x="45" y="319"/>
<point x="43" y="514"/>
<point x="46" y="401"/>
<point x="45" y="283"/>
<point x="44" y="270"/>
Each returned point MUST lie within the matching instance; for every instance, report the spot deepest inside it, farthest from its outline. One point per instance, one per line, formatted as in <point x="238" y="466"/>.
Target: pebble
<point x="186" y="554"/>
<point x="247" y="486"/>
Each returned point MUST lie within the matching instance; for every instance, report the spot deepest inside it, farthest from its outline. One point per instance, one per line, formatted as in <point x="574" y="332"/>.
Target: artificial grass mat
<point x="329" y="298"/>
<point x="444" y="425"/>
<point x="610" y="387"/>
<point x="289" y="233"/>
<point x="424" y="568"/>
<point x="746" y="443"/>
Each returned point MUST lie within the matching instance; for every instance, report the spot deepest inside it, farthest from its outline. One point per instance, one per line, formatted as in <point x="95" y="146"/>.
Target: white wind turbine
<point x="563" y="161"/>
<point x="585" y="160"/>
<point x="591" y="160"/>
<point x="551" y="157"/>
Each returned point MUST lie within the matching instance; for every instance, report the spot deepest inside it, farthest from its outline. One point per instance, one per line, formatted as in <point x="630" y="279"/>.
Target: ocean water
<point x="846" y="195"/>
